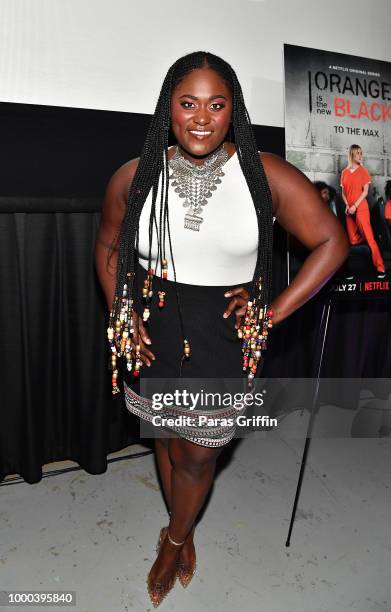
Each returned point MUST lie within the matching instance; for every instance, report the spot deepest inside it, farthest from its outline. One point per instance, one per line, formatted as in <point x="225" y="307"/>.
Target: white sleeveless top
<point x="224" y="251"/>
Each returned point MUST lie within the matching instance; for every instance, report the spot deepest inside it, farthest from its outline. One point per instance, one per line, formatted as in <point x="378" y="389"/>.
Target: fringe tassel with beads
<point x="119" y="334"/>
<point x="147" y="293"/>
<point x="253" y="332"/>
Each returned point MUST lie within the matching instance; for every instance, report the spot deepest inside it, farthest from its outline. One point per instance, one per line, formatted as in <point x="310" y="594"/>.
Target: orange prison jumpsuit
<point x="387" y="210"/>
<point x="359" y="225"/>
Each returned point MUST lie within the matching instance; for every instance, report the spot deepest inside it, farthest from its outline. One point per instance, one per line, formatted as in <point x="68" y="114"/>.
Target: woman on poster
<point x="355" y="180"/>
<point x="184" y="256"/>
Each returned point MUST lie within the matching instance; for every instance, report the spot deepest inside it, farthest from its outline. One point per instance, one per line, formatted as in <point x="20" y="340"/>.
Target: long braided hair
<point x="152" y="169"/>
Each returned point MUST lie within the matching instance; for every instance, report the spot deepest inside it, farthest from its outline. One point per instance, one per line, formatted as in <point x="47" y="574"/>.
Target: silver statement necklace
<point x="196" y="183"/>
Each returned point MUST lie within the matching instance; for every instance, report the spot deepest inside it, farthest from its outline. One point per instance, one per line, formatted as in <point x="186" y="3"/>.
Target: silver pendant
<point x="193" y="222"/>
<point x="196" y="184"/>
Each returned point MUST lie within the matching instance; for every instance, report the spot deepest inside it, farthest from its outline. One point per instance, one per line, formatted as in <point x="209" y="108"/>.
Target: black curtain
<point x="56" y="400"/>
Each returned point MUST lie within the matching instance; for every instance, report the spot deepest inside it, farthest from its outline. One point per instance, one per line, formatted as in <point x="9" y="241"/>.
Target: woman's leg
<point x="353" y="231"/>
<point x="192" y="473"/>
<point x="193" y="469"/>
<point x="165" y="467"/>
<point x="363" y="221"/>
<point x="187" y="554"/>
<point x="165" y="470"/>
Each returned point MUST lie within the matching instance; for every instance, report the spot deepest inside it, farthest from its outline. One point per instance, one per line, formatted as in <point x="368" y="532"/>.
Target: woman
<point x="355" y="180"/>
<point x="327" y="193"/>
<point x="206" y="230"/>
<point x="324" y="191"/>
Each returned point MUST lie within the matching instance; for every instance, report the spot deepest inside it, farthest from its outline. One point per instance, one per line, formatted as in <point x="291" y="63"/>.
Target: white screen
<point x="113" y="54"/>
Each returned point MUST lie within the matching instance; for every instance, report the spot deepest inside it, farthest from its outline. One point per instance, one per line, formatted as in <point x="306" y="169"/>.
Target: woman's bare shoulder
<point x="281" y="175"/>
<point x="276" y="166"/>
<point x="277" y="171"/>
<point x="298" y="205"/>
<point x="116" y="194"/>
<point x="122" y="178"/>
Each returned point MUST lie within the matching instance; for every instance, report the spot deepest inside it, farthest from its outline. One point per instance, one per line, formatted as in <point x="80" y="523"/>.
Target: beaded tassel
<point x="161" y="298"/>
<point x="186" y="348"/>
<point x="139" y="363"/>
<point x="147" y="290"/>
<point x="164" y="269"/>
<point x="147" y="294"/>
<point x="119" y="334"/>
<point x="254" y="332"/>
<point x="146" y="314"/>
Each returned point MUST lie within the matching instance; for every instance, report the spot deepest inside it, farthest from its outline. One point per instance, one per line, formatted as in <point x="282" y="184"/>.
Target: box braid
<point x="153" y="167"/>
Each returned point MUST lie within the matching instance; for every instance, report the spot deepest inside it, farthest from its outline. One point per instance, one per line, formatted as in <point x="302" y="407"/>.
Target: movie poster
<point x="338" y="132"/>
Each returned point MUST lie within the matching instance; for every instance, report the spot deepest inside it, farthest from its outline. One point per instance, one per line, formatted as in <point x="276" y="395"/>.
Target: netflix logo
<point x="376" y="286"/>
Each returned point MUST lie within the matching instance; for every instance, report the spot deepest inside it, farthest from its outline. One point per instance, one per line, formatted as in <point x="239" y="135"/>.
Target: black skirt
<point x="215" y="352"/>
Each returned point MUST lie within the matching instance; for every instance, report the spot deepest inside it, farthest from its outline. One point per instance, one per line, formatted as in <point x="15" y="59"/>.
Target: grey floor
<point x="96" y="534"/>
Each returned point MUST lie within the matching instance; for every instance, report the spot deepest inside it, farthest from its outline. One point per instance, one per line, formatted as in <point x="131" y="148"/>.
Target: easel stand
<point x="318" y="361"/>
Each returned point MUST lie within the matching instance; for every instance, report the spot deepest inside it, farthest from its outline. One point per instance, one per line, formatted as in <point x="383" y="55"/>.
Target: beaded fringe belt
<point x="203" y="435"/>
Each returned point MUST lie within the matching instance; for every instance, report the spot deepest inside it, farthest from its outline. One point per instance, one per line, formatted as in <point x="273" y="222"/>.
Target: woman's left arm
<point x="363" y="195"/>
<point x="300" y="211"/>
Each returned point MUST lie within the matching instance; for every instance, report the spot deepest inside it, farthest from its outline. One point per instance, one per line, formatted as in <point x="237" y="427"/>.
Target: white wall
<point x="113" y="54"/>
